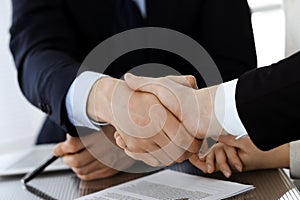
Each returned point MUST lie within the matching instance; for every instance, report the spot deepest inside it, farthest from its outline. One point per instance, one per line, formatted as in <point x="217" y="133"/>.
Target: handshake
<point x="160" y="121"/>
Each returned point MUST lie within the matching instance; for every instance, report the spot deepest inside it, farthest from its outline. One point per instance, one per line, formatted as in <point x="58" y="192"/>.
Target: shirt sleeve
<point x="226" y="111"/>
<point x="295" y="159"/>
<point x="77" y="97"/>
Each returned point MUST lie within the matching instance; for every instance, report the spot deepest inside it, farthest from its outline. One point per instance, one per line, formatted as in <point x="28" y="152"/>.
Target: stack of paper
<point x="169" y="185"/>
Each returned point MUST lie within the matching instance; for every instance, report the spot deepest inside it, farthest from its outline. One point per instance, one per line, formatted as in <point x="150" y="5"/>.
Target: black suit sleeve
<point x="268" y="103"/>
<point x="43" y="45"/>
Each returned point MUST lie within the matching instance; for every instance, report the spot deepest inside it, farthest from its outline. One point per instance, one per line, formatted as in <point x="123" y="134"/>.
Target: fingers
<point x="162" y="149"/>
<point x="78" y="160"/>
<point x="145" y="157"/>
<point x="101" y="172"/>
<point x="180" y="136"/>
<point x="58" y="149"/>
<point x="176" y="153"/>
<point x="119" y="140"/>
<point x="162" y="157"/>
<point x="221" y="162"/>
<point x="210" y="161"/>
<point x="161" y="89"/>
<point x="140" y="83"/>
<point x="70" y="146"/>
<point x="233" y="158"/>
<point x="136" y="82"/>
<point x="93" y="166"/>
<point x="222" y="157"/>
<point x="199" y="163"/>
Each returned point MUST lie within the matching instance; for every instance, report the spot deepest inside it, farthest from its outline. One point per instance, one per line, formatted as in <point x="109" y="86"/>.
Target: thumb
<point x="188" y="81"/>
<point x="58" y="149"/>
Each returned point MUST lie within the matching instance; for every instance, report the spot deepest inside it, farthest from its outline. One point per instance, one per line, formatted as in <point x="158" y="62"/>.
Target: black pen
<point x="38" y="170"/>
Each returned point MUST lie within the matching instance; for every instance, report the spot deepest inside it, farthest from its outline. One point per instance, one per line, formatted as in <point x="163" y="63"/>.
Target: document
<point x="171" y="185"/>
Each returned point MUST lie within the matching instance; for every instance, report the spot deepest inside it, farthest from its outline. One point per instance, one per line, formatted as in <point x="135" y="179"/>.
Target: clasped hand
<point x="146" y="129"/>
<point x="157" y="119"/>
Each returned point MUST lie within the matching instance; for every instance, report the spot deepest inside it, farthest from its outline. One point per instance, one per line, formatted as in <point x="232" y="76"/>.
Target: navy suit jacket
<point x="50" y="39"/>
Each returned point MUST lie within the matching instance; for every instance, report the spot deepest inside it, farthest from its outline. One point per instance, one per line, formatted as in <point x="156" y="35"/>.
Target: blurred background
<point x="20" y="121"/>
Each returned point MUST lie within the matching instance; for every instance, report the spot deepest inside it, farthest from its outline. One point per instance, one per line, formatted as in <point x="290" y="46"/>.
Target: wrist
<point x="208" y="122"/>
<point x="282" y="157"/>
<point x="99" y="100"/>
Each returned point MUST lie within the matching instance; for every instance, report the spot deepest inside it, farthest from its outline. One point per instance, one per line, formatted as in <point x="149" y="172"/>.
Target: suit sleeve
<point x="44" y="47"/>
<point x="268" y="103"/>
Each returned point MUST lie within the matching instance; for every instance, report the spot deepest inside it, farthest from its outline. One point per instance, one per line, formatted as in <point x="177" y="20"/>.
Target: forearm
<point x="277" y="157"/>
<point x="45" y="78"/>
<point x="268" y="102"/>
<point x="44" y="46"/>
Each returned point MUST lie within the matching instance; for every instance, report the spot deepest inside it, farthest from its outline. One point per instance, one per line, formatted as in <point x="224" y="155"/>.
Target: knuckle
<point x="191" y="79"/>
<point x="74" y="162"/>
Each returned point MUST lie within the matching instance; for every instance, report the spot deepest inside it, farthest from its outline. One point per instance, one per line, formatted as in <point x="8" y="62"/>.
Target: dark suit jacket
<point x="268" y="103"/>
<point x="50" y="38"/>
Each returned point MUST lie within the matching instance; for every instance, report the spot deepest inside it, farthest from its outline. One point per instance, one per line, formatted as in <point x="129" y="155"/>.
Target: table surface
<point x="270" y="184"/>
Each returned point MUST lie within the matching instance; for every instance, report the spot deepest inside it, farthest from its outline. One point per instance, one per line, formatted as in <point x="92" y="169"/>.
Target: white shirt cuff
<point x="295" y="159"/>
<point x="226" y="111"/>
<point x="77" y="97"/>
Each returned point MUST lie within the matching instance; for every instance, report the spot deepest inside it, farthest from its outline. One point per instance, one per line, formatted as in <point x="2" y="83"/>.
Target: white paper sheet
<point x="170" y="184"/>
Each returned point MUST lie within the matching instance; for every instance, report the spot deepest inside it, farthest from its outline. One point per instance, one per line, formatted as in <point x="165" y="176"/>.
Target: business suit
<point x="268" y="103"/>
<point x="50" y="38"/>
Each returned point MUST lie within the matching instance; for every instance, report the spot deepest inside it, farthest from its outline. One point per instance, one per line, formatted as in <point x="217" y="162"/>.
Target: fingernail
<point x="227" y="174"/>
<point x="208" y="167"/>
<point x="239" y="168"/>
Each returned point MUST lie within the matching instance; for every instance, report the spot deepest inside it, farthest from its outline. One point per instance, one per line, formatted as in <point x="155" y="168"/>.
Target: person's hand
<point x="84" y="155"/>
<point x="194" y="108"/>
<point x="151" y="133"/>
<point x="241" y="155"/>
<point x="221" y="157"/>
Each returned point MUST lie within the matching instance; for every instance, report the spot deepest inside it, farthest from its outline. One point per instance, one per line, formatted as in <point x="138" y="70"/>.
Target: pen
<point x="38" y="170"/>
